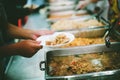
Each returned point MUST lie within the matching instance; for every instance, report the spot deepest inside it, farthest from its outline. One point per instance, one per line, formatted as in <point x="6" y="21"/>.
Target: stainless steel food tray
<point x="61" y="8"/>
<point x="59" y="14"/>
<point x="102" y="75"/>
<point x="91" y="31"/>
<point x="62" y="3"/>
<point x="68" y="12"/>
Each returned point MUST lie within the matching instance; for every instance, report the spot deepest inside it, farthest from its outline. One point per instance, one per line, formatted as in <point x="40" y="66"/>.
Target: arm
<point x="25" y="48"/>
<point x="15" y="32"/>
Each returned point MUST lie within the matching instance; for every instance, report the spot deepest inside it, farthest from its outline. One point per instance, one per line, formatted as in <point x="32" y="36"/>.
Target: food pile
<point x="84" y="42"/>
<point x="83" y="37"/>
<point x="71" y="24"/>
<point x="59" y="39"/>
<point x="83" y="63"/>
<point x="59" y="16"/>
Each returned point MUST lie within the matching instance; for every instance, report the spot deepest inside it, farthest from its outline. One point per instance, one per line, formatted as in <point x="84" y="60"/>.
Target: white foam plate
<point x="45" y="38"/>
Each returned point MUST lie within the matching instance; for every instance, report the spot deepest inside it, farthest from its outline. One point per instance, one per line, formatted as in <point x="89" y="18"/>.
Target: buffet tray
<point x="60" y="8"/>
<point x="79" y="51"/>
<point x="91" y="31"/>
<point x="62" y="3"/>
<point x="81" y="15"/>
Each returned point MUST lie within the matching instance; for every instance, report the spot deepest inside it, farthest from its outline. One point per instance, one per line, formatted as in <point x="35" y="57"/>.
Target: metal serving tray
<point x="71" y="15"/>
<point x="102" y="75"/>
<point x="59" y="15"/>
<point x="61" y="8"/>
<point x="62" y="3"/>
<point x="91" y="31"/>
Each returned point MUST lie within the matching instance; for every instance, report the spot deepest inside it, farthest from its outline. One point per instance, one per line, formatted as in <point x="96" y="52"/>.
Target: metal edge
<point x="8" y="65"/>
<point x="82" y="47"/>
<point x="88" y="75"/>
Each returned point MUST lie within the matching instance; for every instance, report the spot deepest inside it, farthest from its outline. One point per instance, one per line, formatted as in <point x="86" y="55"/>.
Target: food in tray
<point x="59" y="39"/>
<point x="90" y="23"/>
<point x="60" y="8"/>
<point x="83" y="63"/>
<point x="77" y="14"/>
<point x="70" y="24"/>
<point x="84" y="41"/>
<point x="64" y="25"/>
<point x="60" y="16"/>
<point x="66" y="14"/>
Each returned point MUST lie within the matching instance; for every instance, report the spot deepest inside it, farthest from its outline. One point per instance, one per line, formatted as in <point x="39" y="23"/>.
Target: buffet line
<point x="87" y="56"/>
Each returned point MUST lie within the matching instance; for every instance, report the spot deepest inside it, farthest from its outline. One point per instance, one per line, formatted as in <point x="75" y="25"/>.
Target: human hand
<point x="30" y="34"/>
<point x="38" y="33"/>
<point x="27" y="48"/>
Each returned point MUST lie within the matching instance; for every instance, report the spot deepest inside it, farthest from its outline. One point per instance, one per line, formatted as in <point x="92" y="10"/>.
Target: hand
<point x="20" y="33"/>
<point x="36" y="34"/>
<point x="27" y="48"/>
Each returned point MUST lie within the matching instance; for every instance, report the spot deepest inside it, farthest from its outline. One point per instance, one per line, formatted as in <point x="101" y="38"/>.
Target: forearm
<point x="15" y="32"/>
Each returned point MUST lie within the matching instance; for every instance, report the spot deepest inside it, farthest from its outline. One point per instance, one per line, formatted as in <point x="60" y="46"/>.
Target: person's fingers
<point x="36" y="34"/>
<point x="50" y="32"/>
<point x="37" y="47"/>
<point x="37" y="42"/>
<point x="33" y="41"/>
<point x="34" y="37"/>
<point x="40" y="47"/>
<point x="45" y="32"/>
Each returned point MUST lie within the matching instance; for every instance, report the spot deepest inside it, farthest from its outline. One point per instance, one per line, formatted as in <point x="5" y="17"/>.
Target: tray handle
<point x="41" y="63"/>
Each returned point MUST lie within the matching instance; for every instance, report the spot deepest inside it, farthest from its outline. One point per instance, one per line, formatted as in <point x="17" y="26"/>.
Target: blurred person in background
<point x="114" y="10"/>
<point x="114" y="19"/>
<point x="98" y="7"/>
<point x="27" y="47"/>
<point x="18" y="9"/>
<point x="14" y="10"/>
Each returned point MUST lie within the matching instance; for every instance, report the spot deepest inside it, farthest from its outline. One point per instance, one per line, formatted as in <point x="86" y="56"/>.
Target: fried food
<point x="64" y="25"/>
<point x="59" y="39"/>
<point x="83" y="63"/>
<point x="70" y="24"/>
<point x="84" y="41"/>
